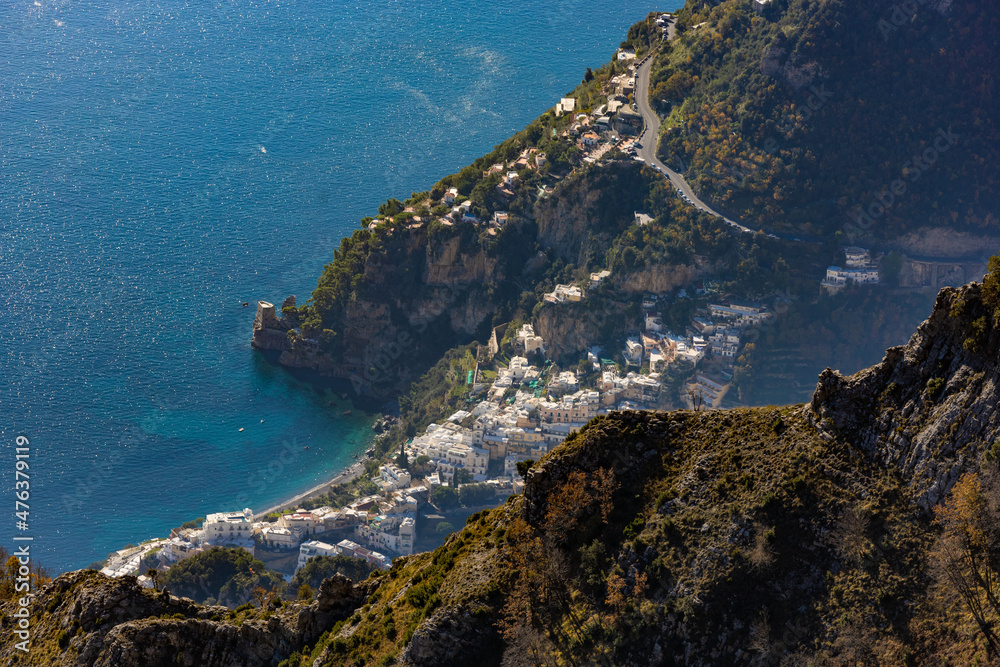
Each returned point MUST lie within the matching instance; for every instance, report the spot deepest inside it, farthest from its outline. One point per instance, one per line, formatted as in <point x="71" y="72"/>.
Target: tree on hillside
<point x="476" y="494"/>
<point x="391" y="207"/>
<point x="444" y="497"/>
<point x="9" y="573"/>
<point x="966" y="555"/>
<point x="461" y="476"/>
<point x="991" y="287"/>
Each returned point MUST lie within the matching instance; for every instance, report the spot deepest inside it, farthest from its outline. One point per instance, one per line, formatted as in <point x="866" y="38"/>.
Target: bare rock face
<point x="570" y="328"/>
<point x="929" y="408"/>
<point x="118" y="623"/>
<point x="446" y="638"/>
<point x="667" y="277"/>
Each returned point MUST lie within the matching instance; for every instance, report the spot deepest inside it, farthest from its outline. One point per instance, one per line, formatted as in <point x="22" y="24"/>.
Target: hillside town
<point x="524" y="410"/>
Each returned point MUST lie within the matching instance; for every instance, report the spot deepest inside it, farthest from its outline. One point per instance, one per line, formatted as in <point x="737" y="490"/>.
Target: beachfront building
<point x="228" y="527"/>
<point x="177" y="549"/>
<point x="278" y="537"/>
<point x="301" y="524"/>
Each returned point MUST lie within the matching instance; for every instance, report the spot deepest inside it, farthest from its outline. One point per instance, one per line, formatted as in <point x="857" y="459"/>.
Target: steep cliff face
<point x="571" y="328"/>
<point x="408" y="298"/>
<point x="665" y="278"/>
<point x="929" y="409"/>
<point x="585" y="214"/>
<point x="394" y="300"/>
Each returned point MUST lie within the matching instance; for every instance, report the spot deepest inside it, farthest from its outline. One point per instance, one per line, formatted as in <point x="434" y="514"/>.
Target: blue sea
<point x="163" y="162"/>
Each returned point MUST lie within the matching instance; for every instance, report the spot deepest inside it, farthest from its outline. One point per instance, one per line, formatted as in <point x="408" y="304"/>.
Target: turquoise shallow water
<point x="162" y="162"/>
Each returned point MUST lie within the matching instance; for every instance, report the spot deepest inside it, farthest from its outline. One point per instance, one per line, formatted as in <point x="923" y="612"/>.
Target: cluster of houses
<point x="594" y="132"/>
<point x="858" y="269"/>
<point x="219" y="529"/>
<point x="460" y="210"/>
<point x="718" y="332"/>
<point x="523" y="415"/>
<point x="345" y="547"/>
<point x="378" y="524"/>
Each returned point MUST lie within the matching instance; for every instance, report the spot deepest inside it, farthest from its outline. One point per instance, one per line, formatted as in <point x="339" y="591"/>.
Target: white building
<point x="278" y="537"/>
<point x="837" y="277"/>
<point x="355" y="550"/>
<point x="566" y="105"/>
<point x="177" y="549"/>
<point x="633" y="352"/>
<point x="392" y="477"/>
<point x="857" y="257"/>
<point x="527" y="339"/>
<point x="743" y="315"/>
<point x="597" y="278"/>
<point x="228" y="527"/>
<point x="313" y="548"/>
<point x="564" y="383"/>
<point x="564" y="293"/>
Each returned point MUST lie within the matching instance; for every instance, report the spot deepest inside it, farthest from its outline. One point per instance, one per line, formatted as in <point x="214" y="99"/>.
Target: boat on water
<point x="306" y="447"/>
<point x="347" y="412"/>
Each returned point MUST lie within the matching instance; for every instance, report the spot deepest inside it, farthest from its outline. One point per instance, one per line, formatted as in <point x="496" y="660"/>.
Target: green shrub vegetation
<point x="319" y="568"/>
<point x="767" y="141"/>
<point x="229" y="575"/>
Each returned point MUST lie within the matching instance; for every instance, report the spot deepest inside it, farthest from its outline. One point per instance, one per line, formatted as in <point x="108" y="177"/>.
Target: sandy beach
<point x="355" y="470"/>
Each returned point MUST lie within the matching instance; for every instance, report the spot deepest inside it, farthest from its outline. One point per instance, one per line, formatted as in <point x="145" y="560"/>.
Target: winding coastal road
<point x="651" y="134"/>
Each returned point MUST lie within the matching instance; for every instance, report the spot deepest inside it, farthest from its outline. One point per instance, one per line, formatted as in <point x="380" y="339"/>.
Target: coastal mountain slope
<point x="874" y="119"/>
<point x="794" y="535"/>
<point x="397" y="296"/>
